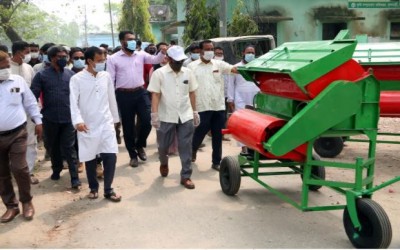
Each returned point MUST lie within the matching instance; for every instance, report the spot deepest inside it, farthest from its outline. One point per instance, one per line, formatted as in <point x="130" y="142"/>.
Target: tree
<point x="31" y="24"/>
<point x="7" y="11"/>
<point x="242" y="24"/>
<point x="136" y="17"/>
<point x="201" y="21"/>
<point x="171" y="3"/>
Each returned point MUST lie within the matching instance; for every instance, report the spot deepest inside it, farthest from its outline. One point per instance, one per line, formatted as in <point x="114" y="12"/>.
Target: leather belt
<point x="130" y="90"/>
<point x="8" y="132"/>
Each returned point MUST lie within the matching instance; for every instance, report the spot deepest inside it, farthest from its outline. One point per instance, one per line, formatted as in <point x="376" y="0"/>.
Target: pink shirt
<point x="127" y="71"/>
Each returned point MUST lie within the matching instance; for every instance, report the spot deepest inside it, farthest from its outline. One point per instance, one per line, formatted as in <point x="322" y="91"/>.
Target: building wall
<point x="310" y="15"/>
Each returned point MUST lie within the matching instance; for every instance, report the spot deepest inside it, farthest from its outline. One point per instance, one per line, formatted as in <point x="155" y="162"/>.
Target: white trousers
<point x="31" y="150"/>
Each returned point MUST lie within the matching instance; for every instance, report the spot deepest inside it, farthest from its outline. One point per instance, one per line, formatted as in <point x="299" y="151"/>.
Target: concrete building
<point x="304" y="20"/>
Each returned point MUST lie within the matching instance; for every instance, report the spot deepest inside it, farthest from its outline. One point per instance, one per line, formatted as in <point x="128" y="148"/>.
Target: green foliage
<point x="34" y="25"/>
<point x="201" y="21"/>
<point x="242" y="24"/>
<point x="136" y="18"/>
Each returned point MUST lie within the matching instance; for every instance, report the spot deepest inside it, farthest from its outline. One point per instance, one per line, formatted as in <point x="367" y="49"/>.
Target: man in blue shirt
<point x="57" y="125"/>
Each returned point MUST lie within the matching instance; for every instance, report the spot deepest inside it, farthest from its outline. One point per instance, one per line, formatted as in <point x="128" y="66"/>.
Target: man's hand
<point x="81" y="127"/>
<point x="196" y="119"/>
<point x="163" y="49"/>
<point x="231" y="107"/>
<point x="155" y="120"/>
<point x="234" y="70"/>
<point x="39" y="131"/>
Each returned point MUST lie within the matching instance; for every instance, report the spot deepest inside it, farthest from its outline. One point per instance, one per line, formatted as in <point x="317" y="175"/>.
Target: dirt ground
<point x="159" y="213"/>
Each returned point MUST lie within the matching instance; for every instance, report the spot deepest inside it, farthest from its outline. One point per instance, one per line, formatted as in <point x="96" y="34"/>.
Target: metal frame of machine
<point x="309" y="90"/>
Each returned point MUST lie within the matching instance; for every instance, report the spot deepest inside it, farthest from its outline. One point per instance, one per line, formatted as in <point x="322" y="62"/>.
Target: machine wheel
<point x="376" y="231"/>
<point x="229" y="175"/>
<point x="318" y="171"/>
<point x="329" y="147"/>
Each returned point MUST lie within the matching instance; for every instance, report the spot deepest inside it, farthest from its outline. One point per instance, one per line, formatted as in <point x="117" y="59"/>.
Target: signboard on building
<point x="384" y="4"/>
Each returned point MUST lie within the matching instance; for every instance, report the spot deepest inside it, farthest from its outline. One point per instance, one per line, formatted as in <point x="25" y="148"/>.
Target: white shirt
<point x="210" y="94"/>
<point x="25" y="70"/>
<point x="240" y="91"/>
<point x="174" y="88"/>
<point x="38" y="67"/>
<point x="15" y="99"/>
<point x="92" y="101"/>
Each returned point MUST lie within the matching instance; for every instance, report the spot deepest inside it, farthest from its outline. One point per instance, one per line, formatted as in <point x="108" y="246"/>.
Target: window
<point x="395" y="31"/>
<point x="268" y="29"/>
<point x="330" y="30"/>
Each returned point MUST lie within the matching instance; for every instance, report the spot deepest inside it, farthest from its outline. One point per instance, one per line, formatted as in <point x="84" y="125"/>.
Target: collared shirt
<point x="15" y="99"/>
<point x="210" y="94"/>
<point x="127" y="71"/>
<point x="174" y="88"/>
<point x="25" y="70"/>
<point x="55" y="88"/>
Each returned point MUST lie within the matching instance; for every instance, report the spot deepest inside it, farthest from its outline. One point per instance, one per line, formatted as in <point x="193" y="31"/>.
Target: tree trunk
<point x="12" y="34"/>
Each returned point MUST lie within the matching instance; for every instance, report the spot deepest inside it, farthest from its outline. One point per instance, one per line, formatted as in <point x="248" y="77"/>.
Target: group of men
<point x="87" y="100"/>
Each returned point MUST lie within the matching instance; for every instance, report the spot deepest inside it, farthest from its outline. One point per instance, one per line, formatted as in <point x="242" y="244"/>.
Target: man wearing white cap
<point x="173" y="110"/>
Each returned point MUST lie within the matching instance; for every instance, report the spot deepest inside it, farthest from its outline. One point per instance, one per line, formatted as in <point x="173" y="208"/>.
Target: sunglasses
<point x="76" y="58"/>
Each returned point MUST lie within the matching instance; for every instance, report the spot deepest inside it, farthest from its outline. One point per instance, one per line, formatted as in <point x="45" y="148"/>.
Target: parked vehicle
<point x="233" y="46"/>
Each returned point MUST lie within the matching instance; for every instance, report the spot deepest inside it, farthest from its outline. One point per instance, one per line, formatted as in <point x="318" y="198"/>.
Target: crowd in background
<point x="87" y="95"/>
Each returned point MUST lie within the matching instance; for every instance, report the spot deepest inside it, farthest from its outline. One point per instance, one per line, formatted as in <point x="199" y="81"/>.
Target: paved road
<point x="158" y="212"/>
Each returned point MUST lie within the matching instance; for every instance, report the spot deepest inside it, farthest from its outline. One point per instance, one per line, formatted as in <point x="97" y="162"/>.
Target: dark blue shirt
<point x="55" y="88"/>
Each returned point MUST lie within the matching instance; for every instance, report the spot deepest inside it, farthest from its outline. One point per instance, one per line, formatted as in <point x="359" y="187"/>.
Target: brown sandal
<point x="113" y="197"/>
<point x="93" y="195"/>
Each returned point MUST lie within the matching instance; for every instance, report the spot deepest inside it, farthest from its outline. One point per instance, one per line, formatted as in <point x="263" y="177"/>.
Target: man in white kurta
<point x="240" y="91"/>
<point x="94" y="113"/>
<point x="19" y="66"/>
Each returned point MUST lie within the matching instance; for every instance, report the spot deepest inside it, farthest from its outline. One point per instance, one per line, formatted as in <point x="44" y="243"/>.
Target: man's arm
<point x="31" y="107"/>
<point x="111" y="69"/>
<point x="36" y="85"/>
<point x="231" y="93"/>
<point x="76" y="116"/>
<point x="112" y="100"/>
<point x="150" y="59"/>
<point x="192" y="96"/>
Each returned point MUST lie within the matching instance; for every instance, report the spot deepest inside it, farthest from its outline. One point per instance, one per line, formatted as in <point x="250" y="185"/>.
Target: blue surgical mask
<point x="100" y="67"/>
<point x="79" y="64"/>
<point x="131" y="45"/>
<point x="249" y="57"/>
<point x="45" y="59"/>
<point x="195" y="56"/>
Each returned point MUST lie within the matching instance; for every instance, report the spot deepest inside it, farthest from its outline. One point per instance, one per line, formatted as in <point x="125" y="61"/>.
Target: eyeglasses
<point x="76" y="58"/>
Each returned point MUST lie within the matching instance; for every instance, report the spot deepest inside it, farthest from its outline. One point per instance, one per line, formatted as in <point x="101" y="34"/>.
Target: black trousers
<point x="61" y="141"/>
<point x="109" y="162"/>
<point x="214" y="121"/>
<point x="132" y="105"/>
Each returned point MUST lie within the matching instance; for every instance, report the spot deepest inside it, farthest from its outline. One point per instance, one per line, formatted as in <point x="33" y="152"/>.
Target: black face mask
<point x="152" y="51"/>
<point x="176" y="66"/>
<point x="62" y="62"/>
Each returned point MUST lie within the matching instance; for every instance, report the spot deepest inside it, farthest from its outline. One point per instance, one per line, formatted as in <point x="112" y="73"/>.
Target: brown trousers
<point x="13" y="160"/>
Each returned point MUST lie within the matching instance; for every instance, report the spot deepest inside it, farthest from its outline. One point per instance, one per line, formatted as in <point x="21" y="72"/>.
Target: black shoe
<point x="194" y="155"/>
<point x="142" y="154"/>
<point x="55" y="176"/>
<point x="134" y="163"/>
<point x="215" y="167"/>
<point x="76" y="183"/>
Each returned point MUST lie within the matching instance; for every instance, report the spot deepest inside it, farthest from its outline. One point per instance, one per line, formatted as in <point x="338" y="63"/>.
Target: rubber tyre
<point x="376" y="230"/>
<point x="230" y="175"/>
<point x="318" y="171"/>
<point x="329" y="147"/>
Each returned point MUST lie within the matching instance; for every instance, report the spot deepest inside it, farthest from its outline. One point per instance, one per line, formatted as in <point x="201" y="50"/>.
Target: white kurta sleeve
<point x="112" y="100"/>
<point x="231" y="88"/>
<point x="74" y="101"/>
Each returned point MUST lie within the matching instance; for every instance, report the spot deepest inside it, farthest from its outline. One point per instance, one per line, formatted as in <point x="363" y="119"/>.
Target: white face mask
<point x="27" y="58"/>
<point x="219" y="58"/>
<point x="5" y="74"/>
<point x="35" y="55"/>
<point x="208" y="55"/>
